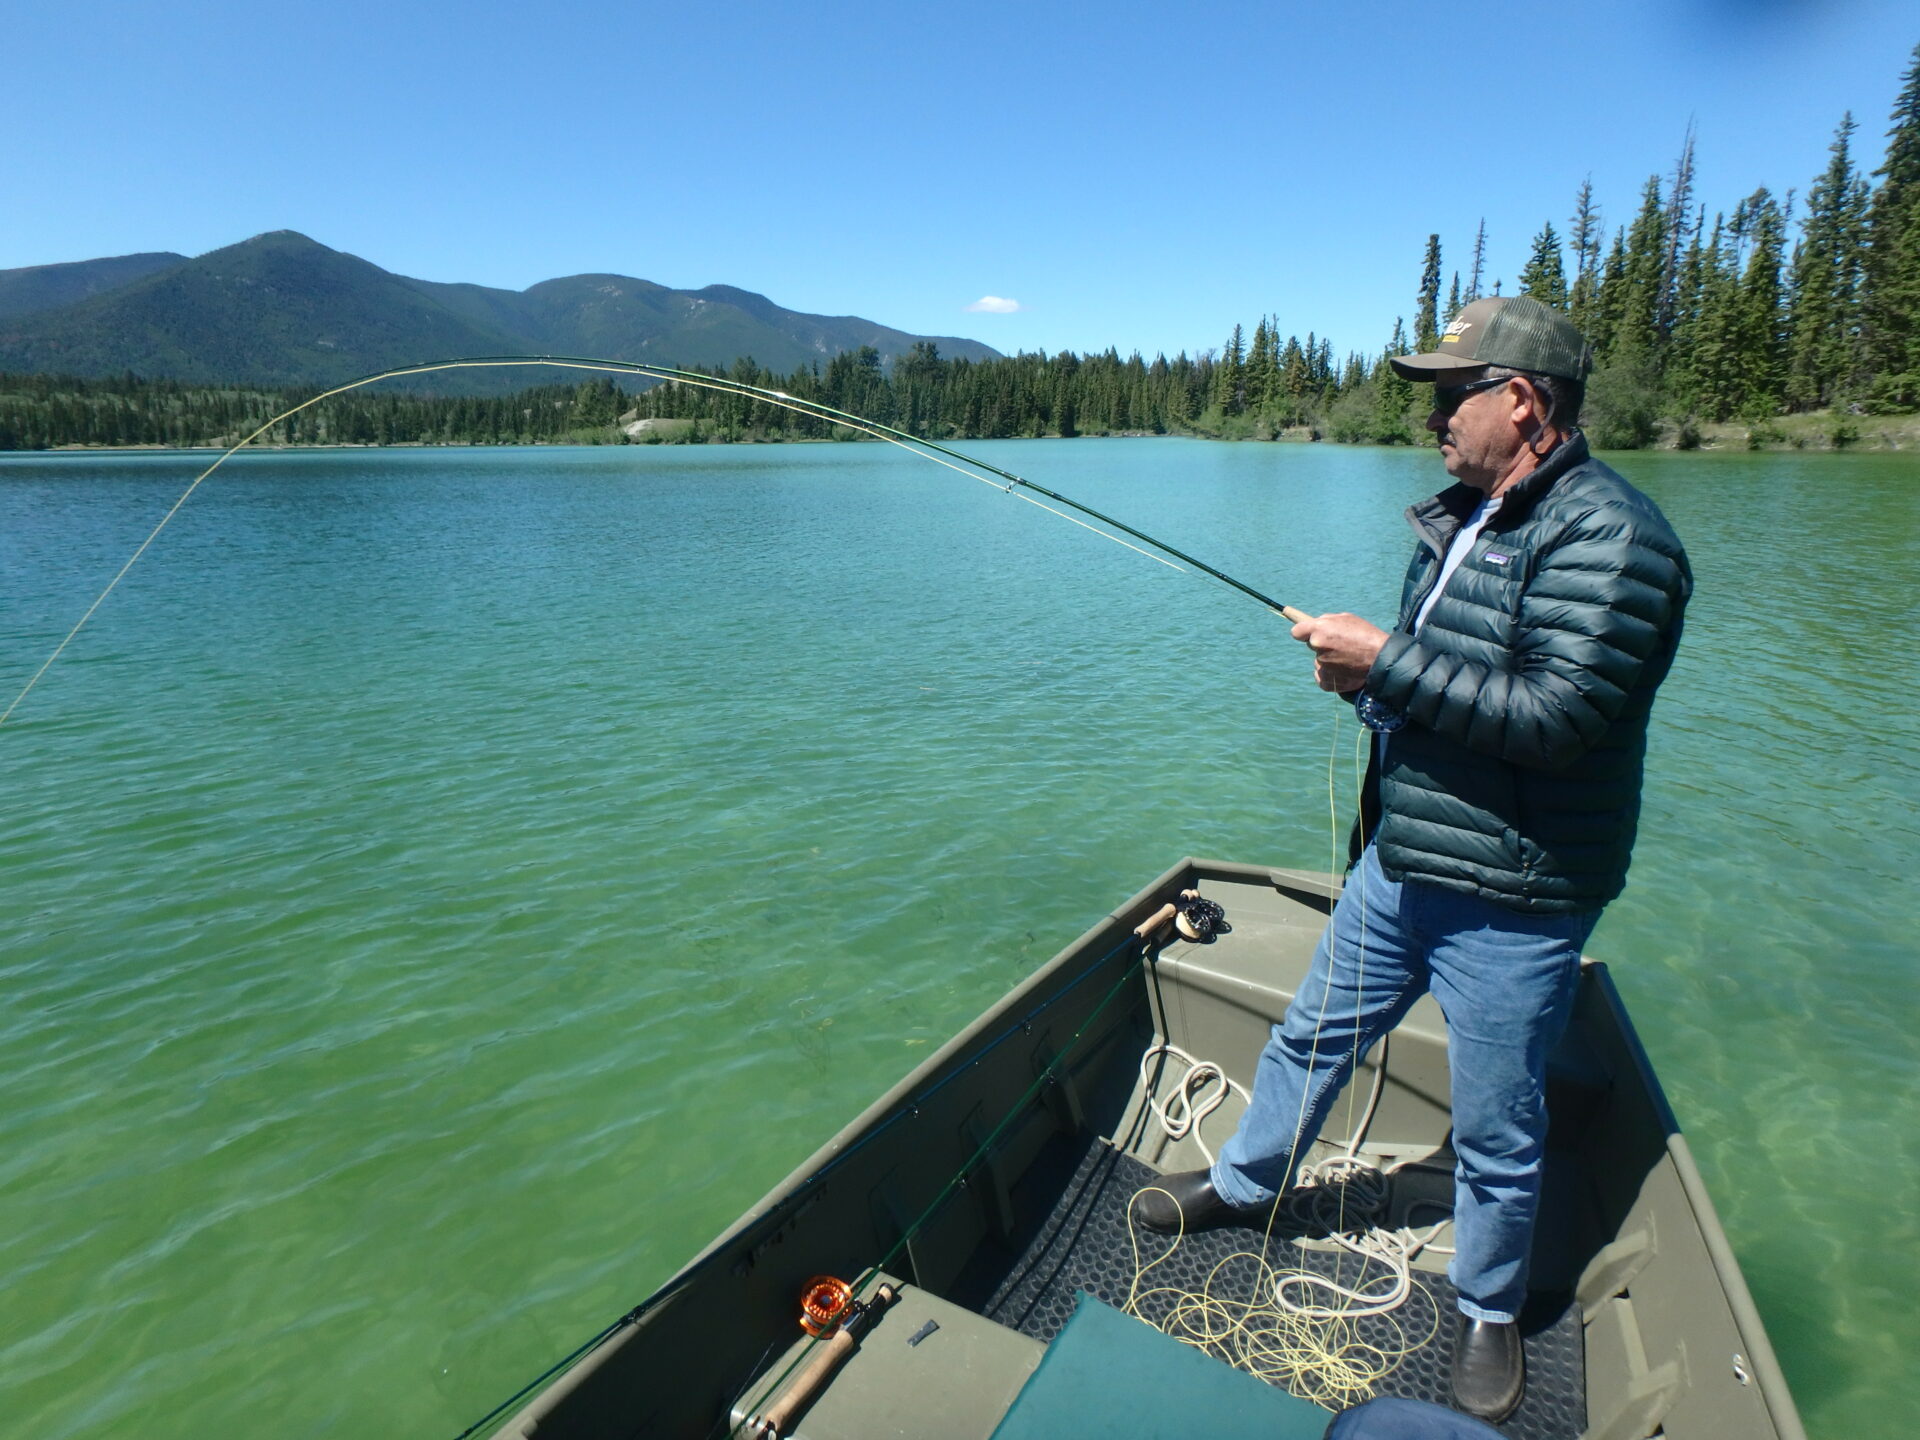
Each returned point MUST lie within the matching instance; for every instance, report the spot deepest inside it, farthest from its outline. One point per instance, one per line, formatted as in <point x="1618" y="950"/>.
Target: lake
<point x="445" y="886"/>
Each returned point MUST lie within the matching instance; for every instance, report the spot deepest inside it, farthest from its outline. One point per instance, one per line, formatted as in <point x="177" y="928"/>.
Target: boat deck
<point x="1085" y="1243"/>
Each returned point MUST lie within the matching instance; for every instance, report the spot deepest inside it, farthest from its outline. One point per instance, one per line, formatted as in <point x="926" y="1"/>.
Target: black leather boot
<point x="1185" y="1201"/>
<point x="1489" y="1369"/>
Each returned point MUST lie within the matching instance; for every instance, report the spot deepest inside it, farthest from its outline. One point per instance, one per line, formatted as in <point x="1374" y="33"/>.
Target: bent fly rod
<point x="799" y="405"/>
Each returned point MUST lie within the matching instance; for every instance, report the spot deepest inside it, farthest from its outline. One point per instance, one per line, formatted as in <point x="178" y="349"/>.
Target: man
<point x="1539" y="615"/>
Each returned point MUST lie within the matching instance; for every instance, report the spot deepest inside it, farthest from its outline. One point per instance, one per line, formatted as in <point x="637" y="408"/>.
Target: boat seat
<point x="955" y="1384"/>
<point x="1107" y="1373"/>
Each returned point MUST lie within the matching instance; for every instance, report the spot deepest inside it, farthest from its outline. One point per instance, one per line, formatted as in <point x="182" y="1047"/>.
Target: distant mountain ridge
<point x="47" y="287"/>
<point x="283" y="309"/>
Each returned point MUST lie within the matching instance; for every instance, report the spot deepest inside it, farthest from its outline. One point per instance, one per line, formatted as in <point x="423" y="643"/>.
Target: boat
<point x="944" y="1236"/>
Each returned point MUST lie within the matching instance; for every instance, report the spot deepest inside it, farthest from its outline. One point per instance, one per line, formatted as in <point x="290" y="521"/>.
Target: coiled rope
<point x="1287" y="1324"/>
<point x="1191" y="1101"/>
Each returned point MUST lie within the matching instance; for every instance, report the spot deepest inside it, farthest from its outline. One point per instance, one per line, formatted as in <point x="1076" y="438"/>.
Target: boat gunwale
<point x="949" y="1060"/>
<point x="1762" y="1363"/>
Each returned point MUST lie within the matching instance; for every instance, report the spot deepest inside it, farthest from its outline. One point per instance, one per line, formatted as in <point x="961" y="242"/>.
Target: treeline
<point x="1777" y="307"/>
<point x="38" y="412"/>
<point x="923" y="392"/>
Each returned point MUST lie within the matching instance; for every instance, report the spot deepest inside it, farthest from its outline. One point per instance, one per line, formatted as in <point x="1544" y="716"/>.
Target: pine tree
<point x="1393" y="394"/>
<point x="593" y="407"/>
<point x="1065" y="414"/>
<point x="1609" y="297"/>
<point x="1262" y="382"/>
<point x="1717" y="332"/>
<point x="1585" y="240"/>
<point x="1758" y="342"/>
<point x="1426" y="325"/>
<point x="1296" y="380"/>
<point x="1544" y="278"/>
<point x="1679" y="218"/>
<point x="1638" y="318"/>
<point x="1479" y="262"/>
<point x="1454" y="301"/>
<point x="1685" y="360"/>
<point x="1230" y="375"/>
<point x="1824" y="352"/>
<point x="1890" y="307"/>
<point x="1624" y="395"/>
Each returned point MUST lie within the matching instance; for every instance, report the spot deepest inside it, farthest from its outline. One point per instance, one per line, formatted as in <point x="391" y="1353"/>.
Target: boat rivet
<point x="1740" y="1370"/>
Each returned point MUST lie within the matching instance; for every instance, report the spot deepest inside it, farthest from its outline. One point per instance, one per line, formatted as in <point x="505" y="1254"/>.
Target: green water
<point x="444" y="887"/>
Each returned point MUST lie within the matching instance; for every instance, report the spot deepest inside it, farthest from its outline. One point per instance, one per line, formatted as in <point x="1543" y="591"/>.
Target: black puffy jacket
<point x="1526" y="694"/>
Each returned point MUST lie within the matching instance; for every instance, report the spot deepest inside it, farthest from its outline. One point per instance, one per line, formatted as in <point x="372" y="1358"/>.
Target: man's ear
<point x="1530" y="408"/>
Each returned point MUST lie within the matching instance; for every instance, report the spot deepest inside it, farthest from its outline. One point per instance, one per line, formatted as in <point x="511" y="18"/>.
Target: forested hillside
<point x="281" y="309"/>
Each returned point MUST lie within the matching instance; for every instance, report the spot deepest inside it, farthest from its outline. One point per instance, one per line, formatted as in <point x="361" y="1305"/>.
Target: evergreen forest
<point x="1779" y="308"/>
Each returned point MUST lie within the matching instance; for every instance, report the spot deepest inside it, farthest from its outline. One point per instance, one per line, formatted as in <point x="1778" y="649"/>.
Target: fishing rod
<point x="799" y="405"/>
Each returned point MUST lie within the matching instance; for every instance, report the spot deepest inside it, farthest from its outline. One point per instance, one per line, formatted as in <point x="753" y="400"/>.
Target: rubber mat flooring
<point x="1084" y="1244"/>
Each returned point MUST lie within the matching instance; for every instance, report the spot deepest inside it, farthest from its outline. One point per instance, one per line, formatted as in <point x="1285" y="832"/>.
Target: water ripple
<point x="431" y="863"/>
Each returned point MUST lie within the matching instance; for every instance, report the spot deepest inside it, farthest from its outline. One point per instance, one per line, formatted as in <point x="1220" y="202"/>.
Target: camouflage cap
<point x="1513" y="331"/>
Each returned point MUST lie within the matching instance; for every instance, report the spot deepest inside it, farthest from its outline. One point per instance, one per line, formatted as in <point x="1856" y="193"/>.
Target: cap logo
<point x="1456" y="328"/>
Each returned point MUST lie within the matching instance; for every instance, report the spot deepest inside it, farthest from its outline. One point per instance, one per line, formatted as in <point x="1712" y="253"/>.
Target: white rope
<point x="1336" y="1197"/>
<point x="1299" y="1329"/>
<point x="1191" y="1101"/>
<point x="1344" y="1198"/>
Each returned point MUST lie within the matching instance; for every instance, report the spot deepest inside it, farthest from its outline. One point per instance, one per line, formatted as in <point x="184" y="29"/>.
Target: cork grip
<point x="828" y="1357"/>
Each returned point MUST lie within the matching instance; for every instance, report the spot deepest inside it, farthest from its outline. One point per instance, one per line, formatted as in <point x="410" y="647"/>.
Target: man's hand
<point x="1344" y="647"/>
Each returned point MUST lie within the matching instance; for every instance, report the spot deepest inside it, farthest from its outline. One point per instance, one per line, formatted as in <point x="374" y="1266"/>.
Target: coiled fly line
<point x="1289" y="1325"/>
<point x="926" y="449"/>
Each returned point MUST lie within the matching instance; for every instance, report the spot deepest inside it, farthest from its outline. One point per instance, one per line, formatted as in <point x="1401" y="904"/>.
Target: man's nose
<point x="1436" y="420"/>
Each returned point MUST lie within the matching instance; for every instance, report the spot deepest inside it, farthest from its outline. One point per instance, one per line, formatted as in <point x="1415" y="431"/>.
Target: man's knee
<point x="1500" y="1139"/>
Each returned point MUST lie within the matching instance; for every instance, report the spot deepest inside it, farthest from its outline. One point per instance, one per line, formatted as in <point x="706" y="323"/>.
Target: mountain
<point x="622" y="318"/>
<point x="47" y="287"/>
<point x="277" y="309"/>
<point x="283" y="309"/>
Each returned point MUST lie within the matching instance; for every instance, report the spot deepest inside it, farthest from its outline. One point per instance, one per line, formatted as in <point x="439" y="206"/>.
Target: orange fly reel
<point x="822" y="1303"/>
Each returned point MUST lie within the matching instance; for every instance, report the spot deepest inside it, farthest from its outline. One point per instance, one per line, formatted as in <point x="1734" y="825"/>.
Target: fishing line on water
<point x="812" y="409"/>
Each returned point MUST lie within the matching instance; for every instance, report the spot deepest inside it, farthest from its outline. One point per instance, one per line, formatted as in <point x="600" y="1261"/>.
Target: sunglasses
<point x="1447" y="398"/>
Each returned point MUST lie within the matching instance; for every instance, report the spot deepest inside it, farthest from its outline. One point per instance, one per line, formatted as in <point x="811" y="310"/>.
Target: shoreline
<point x="1789" y="435"/>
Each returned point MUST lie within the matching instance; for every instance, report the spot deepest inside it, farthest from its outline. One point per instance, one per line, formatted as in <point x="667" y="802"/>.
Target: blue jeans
<point x="1398" y="1419"/>
<point x="1504" y="980"/>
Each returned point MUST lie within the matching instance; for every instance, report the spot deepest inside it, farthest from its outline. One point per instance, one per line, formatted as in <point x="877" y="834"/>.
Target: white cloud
<point x="993" y="305"/>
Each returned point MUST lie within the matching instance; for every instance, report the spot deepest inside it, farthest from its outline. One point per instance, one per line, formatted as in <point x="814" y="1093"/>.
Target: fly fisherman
<point x="1539" y="615"/>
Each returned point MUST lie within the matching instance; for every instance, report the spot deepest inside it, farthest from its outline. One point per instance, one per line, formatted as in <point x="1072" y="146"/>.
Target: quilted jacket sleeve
<point x="1604" y="601"/>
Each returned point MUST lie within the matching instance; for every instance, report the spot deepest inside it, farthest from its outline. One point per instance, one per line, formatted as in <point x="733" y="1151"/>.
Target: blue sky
<point x="1141" y="176"/>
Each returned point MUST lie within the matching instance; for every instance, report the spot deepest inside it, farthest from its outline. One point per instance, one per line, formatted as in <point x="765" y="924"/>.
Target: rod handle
<point x="819" y="1369"/>
<point x="1296" y="616"/>
<point x="1154" y="921"/>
